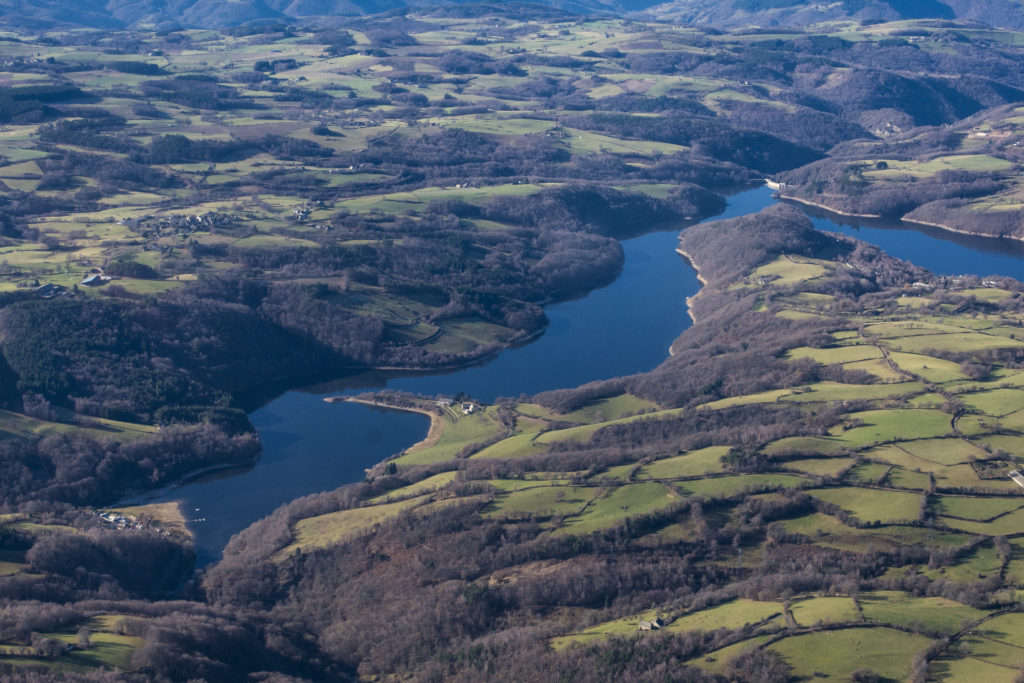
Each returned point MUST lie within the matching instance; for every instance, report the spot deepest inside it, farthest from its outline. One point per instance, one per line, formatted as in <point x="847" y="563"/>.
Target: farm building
<point x="652" y="625"/>
<point x="95" y="280"/>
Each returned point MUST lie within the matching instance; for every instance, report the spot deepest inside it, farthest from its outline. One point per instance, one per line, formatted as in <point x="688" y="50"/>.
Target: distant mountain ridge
<point x="42" y="14"/>
<point x="113" y="14"/>
<point x="793" y="13"/>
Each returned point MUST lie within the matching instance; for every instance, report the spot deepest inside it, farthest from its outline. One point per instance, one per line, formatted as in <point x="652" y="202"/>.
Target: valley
<point x="475" y="211"/>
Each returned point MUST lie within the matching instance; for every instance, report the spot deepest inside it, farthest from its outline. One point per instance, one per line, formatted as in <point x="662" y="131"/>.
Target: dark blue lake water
<point x="623" y="328"/>
<point x="940" y="251"/>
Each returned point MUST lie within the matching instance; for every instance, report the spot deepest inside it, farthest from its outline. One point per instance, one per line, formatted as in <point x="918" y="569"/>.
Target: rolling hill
<point x="721" y="13"/>
<point x="792" y="13"/>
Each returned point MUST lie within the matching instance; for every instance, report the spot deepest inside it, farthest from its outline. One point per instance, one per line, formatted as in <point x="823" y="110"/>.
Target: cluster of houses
<point x="467" y="407"/>
<point x="120" y="521"/>
<point x="182" y="223"/>
<point x="7" y="62"/>
<point x="125" y="523"/>
<point x="51" y="291"/>
<point x="302" y="213"/>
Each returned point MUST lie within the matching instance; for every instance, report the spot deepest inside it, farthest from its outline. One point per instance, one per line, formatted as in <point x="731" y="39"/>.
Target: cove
<point x="941" y="251"/>
<point x="626" y="327"/>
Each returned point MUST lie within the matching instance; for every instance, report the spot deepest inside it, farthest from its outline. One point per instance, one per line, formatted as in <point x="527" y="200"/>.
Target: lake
<point x="624" y="328"/>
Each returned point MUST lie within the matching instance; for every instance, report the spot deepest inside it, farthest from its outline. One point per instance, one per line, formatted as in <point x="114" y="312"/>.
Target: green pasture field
<point x="818" y="466"/>
<point x="620" y="504"/>
<point x="789" y="270"/>
<point x="108" y="650"/>
<point x="986" y="653"/>
<point x="403" y="202"/>
<point x="1015" y="566"/>
<point x="627" y="626"/>
<point x="824" y="610"/>
<point x="764" y="397"/>
<point x="880" y="426"/>
<point x="872" y="505"/>
<point x="901" y="609"/>
<point x="983" y="562"/>
<point x="619" y="474"/>
<point x="927" y="367"/>
<point x="879" y="368"/>
<point x="944" y="451"/>
<point x="911" y="328"/>
<point x="586" y="142"/>
<point x="922" y="169"/>
<point x="726" y="487"/>
<point x="19" y="425"/>
<point x="945" y="475"/>
<point x="428" y="485"/>
<point x="469" y="333"/>
<point x="955" y="341"/>
<point x="1014" y="421"/>
<point x="835" y="655"/>
<point x="835" y="391"/>
<point x="495" y="125"/>
<point x="979" y="508"/>
<point x="806" y="445"/>
<point x="456" y="432"/>
<point x="335" y="527"/>
<point x="614" y="408"/>
<point x="928" y="400"/>
<point x="583" y="432"/>
<point x="987" y="294"/>
<point x="996" y="402"/>
<point x="716" y="661"/>
<point x="838" y="354"/>
<point x="868" y="473"/>
<point x="520" y="445"/>
<point x="730" y="615"/>
<point x="1011" y="443"/>
<point x="1010" y="523"/>
<point x="1005" y="628"/>
<point x="543" y="501"/>
<point x="971" y="668"/>
<point x="809" y="299"/>
<point x="691" y="464"/>
<point x="907" y="479"/>
<point x="532" y="480"/>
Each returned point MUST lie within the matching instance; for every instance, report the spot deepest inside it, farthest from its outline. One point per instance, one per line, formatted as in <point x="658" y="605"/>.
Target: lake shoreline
<point x="433" y="433"/>
<point x="825" y="207"/>
<point x="690" y="299"/>
<point x="903" y="220"/>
